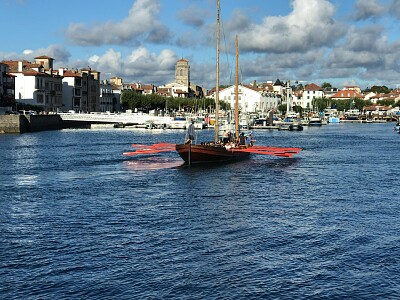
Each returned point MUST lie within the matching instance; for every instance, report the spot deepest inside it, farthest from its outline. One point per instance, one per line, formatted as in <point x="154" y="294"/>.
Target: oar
<point x="150" y="149"/>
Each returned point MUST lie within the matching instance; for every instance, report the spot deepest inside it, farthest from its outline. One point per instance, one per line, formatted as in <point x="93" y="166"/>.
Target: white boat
<point x="352" y="114"/>
<point x="332" y="115"/>
<point x="178" y="123"/>
<point x="291" y="124"/>
<point x="315" y="121"/>
<point x="397" y="127"/>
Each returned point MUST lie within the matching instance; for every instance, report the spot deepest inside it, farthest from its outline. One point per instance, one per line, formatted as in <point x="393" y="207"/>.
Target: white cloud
<point x="395" y="8"/>
<point x="140" y="65"/>
<point x="193" y="16"/>
<point x="309" y="25"/>
<point x="58" y="52"/>
<point x="366" y="9"/>
<point x="94" y="59"/>
<point x="141" y="22"/>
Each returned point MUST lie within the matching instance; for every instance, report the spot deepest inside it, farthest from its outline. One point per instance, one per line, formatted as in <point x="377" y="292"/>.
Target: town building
<point x="182" y="72"/>
<point x="116" y="85"/>
<point x="251" y="99"/>
<point x="174" y="89"/>
<point x="107" y="101"/>
<point x="91" y="87"/>
<point x="181" y="87"/>
<point x="346" y="94"/>
<point x="81" y="90"/>
<point x="36" y="84"/>
<point x="310" y="93"/>
<point x="7" y="88"/>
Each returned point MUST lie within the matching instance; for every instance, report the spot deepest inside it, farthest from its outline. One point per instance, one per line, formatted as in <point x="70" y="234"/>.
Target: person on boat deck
<point x="190" y="132"/>
<point x="248" y="140"/>
<point x="226" y="137"/>
<point x="242" y="139"/>
<point x="229" y="145"/>
<point x="230" y="136"/>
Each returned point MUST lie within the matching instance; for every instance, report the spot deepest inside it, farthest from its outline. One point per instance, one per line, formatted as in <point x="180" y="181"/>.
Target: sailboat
<point x="215" y="151"/>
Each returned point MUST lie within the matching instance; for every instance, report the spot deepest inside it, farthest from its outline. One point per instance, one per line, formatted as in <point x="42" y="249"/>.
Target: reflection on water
<point x="143" y="163"/>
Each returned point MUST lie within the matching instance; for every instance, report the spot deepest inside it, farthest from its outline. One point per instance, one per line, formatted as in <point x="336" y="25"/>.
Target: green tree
<point x="298" y="109"/>
<point x="282" y="108"/>
<point x="319" y="104"/>
<point x="133" y="100"/>
<point x="386" y="102"/>
<point x="326" y="85"/>
<point x="380" y="89"/>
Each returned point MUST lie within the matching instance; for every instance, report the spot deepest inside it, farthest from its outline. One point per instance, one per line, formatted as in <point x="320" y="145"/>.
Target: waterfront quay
<point x="32" y="123"/>
<point x="23" y="123"/>
<point x="29" y="123"/>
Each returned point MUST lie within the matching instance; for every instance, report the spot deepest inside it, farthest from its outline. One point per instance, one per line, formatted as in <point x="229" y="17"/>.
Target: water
<point x="78" y="220"/>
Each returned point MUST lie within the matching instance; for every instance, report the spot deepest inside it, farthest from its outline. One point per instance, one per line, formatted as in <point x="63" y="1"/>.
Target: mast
<point x="237" y="90"/>
<point x="216" y="125"/>
<point x="288" y="104"/>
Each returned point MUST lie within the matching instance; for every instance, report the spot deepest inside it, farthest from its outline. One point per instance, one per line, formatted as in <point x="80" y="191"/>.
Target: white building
<point x="35" y="83"/>
<point x="311" y="92"/>
<point x="174" y="89"/>
<point x="250" y="99"/>
<point x="72" y="90"/>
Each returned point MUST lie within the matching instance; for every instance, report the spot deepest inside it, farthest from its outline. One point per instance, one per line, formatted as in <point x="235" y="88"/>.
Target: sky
<point x="343" y="42"/>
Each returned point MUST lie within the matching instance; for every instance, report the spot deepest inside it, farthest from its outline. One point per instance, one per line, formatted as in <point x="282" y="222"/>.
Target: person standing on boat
<point x="190" y="132"/>
<point x="242" y="139"/>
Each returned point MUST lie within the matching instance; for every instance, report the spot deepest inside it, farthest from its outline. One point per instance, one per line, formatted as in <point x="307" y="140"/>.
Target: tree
<point x="380" y="89"/>
<point x="326" y="85"/>
<point x="298" y="109"/>
<point x="386" y="102"/>
<point x="282" y="108"/>
<point x="320" y="103"/>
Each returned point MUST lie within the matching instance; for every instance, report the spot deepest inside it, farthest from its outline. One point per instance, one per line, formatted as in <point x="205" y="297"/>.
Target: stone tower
<point x="182" y="72"/>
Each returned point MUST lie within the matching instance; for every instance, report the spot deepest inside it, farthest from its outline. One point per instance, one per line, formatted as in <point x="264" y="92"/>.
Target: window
<point x="77" y="102"/>
<point x="40" y="98"/>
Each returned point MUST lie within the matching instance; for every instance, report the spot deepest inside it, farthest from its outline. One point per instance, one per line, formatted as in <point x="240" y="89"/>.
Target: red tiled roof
<point x="312" y="87"/>
<point x="347" y="94"/>
<point x="43" y="57"/>
<point x="69" y="73"/>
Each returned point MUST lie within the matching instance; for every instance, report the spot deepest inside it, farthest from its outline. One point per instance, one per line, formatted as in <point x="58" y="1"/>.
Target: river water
<point x="78" y="220"/>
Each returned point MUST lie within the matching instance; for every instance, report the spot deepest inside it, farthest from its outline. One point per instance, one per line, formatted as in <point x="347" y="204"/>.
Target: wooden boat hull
<point x="194" y="154"/>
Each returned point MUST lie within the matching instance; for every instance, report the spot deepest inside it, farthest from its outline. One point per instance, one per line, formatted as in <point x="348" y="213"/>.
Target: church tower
<point x="182" y="72"/>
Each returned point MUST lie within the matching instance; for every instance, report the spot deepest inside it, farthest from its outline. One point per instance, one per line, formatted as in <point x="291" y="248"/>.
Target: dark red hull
<point x="195" y="154"/>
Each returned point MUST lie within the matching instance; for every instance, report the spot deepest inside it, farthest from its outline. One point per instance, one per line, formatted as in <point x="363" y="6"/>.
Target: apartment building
<point x="7" y="87"/>
<point x="81" y="90"/>
<point x="311" y="92"/>
<point x="106" y="97"/>
<point x="36" y="84"/>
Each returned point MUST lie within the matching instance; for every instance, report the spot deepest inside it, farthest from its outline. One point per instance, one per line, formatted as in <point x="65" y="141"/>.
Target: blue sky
<point x="344" y="42"/>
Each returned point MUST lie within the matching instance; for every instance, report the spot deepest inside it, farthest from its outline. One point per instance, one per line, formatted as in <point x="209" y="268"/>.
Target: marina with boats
<point x="181" y="120"/>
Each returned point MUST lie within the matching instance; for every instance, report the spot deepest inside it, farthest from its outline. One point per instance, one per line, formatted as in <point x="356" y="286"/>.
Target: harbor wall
<point x="29" y="123"/>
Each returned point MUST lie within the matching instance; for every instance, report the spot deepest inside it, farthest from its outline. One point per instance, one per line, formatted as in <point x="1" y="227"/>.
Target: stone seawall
<point x="29" y="123"/>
